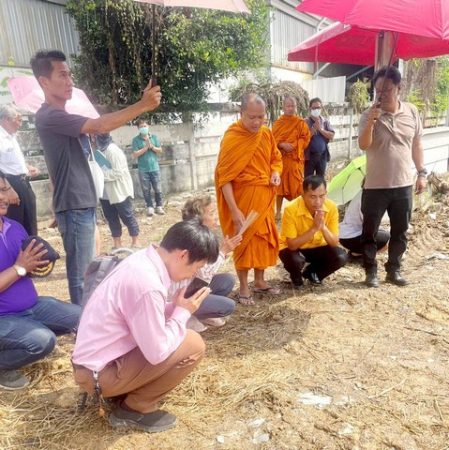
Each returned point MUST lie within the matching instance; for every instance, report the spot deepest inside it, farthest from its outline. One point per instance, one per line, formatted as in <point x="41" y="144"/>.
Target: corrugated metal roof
<point x="29" y="25"/>
<point x="286" y="32"/>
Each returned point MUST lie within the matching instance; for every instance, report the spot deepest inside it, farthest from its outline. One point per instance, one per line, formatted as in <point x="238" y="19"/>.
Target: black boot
<point x="371" y="280"/>
<point x="394" y="277"/>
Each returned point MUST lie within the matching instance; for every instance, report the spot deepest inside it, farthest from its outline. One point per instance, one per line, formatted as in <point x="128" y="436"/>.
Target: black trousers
<point x="25" y="213"/>
<point x="354" y="245"/>
<point x="398" y="204"/>
<point x="123" y="210"/>
<point x="323" y="261"/>
<point x="316" y="165"/>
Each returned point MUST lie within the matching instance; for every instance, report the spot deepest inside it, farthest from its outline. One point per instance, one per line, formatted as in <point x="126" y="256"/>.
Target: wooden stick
<point x="250" y="219"/>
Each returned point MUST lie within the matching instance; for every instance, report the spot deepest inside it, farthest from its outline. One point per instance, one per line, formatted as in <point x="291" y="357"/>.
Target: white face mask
<point x="315" y="112"/>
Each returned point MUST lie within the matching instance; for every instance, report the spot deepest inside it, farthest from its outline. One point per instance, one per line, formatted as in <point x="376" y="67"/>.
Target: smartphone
<point x="153" y="82"/>
<point x="195" y="285"/>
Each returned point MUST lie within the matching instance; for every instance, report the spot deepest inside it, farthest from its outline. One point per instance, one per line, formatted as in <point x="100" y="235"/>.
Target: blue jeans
<point x="123" y="210"/>
<point x="150" y="180"/>
<point x="217" y="303"/>
<point x="30" y="335"/>
<point x="77" y="228"/>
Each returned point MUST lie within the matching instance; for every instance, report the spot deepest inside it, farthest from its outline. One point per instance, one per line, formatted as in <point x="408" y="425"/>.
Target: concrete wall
<point x="190" y="152"/>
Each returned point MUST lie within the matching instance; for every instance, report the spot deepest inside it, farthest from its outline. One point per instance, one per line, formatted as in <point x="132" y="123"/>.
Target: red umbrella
<point x="348" y="44"/>
<point x="428" y="18"/>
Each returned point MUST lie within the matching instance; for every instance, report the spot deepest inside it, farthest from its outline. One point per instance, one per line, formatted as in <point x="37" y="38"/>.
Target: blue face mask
<point x="144" y="131"/>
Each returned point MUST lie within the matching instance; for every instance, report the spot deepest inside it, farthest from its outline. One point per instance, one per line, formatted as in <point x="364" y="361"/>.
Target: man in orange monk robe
<point x="246" y="179"/>
<point x="292" y="137"/>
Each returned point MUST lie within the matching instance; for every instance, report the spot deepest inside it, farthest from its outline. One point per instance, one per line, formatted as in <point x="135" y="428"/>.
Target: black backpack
<point x="100" y="268"/>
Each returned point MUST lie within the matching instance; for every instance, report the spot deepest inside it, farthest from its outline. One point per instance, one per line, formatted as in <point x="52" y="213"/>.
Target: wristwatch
<point x="21" y="271"/>
<point x="422" y="172"/>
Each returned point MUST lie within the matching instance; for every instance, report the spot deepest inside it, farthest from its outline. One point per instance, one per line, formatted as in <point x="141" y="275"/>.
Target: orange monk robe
<point x="294" y="130"/>
<point x="246" y="160"/>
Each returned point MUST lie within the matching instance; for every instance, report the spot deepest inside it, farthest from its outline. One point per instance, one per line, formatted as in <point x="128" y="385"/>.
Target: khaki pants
<point x="144" y="383"/>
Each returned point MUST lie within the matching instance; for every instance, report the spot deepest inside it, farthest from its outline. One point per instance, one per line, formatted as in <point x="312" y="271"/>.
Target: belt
<point x="22" y="176"/>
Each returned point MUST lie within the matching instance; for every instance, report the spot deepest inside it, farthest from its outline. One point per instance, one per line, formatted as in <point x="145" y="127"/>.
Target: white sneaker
<point x="160" y="210"/>
<point x="214" y="322"/>
<point x="150" y="211"/>
<point x="194" y="324"/>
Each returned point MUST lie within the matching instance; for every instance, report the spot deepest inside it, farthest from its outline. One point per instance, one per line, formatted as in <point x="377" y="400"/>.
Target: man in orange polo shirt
<point x="309" y="233"/>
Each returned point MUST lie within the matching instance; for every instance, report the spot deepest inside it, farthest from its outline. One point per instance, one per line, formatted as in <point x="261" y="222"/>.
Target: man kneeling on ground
<point x="131" y="341"/>
<point x="28" y="323"/>
<point x="310" y="234"/>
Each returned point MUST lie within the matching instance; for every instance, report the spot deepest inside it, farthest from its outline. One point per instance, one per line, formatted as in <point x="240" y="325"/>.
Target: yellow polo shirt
<point x="297" y="220"/>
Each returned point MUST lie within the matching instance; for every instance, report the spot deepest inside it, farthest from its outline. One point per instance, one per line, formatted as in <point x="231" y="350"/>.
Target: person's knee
<point x="196" y="345"/>
<point x="227" y="281"/>
<point x="341" y="258"/>
<point x="41" y="342"/>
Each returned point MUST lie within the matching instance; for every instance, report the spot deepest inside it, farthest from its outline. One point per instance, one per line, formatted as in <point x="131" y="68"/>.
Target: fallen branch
<point x="386" y="391"/>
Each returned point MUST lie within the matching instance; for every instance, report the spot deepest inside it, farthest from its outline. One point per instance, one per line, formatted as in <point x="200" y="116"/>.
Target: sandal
<point x="245" y="300"/>
<point x="268" y="290"/>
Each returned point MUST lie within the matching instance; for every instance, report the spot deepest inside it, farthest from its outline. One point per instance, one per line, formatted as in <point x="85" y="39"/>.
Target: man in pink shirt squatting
<point x="134" y="343"/>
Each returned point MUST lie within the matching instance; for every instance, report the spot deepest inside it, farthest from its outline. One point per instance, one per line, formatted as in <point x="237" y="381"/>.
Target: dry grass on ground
<point x="376" y="361"/>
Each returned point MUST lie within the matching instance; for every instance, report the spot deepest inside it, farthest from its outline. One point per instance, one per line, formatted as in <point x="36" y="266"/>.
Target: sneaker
<point x="12" y="380"/>
<point x="152" y="422"/>
<point x="194" y="324"/>
<point x="160" y="210"/>
<point x="150" y="211"/>
<point x="214" y="322"/>
<point x="312" y="277"/>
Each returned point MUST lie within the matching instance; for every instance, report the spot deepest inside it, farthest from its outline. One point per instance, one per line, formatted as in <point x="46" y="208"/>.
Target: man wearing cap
<point x="29" y="324"/>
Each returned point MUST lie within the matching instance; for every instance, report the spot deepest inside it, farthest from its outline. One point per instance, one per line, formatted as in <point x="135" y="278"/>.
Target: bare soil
<point x="374" y="362"/>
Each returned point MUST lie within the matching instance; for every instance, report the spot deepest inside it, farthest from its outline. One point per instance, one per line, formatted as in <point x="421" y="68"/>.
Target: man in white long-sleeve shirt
<point x="132" y="340"/>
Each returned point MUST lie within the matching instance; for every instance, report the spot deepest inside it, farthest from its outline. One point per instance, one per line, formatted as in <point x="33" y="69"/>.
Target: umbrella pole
<point x="153" y="45"/>
<point x="385" y="48"/>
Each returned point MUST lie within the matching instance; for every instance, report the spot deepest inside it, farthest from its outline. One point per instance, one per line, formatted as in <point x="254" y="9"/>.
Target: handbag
<point x="97" y="176"/>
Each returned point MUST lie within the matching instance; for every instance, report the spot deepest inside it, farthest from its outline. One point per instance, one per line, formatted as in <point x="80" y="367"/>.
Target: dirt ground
<point x="338" y="366"/>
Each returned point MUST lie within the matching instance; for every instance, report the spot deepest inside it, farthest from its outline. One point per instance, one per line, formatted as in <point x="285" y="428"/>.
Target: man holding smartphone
<point x="390" y="133"/>
<point x="131" y="341"/>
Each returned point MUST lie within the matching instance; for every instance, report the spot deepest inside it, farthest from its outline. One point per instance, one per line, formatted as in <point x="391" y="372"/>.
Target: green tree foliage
<point x="272" y="93"/>
<point x="358" y="96"/>
<point x="427" y="84"/>
<point x="195" y="47"/>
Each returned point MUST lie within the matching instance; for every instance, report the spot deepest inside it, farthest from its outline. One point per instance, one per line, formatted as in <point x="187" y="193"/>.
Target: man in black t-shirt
<point x="63" y="136"/>
<point x="317" y="153"/>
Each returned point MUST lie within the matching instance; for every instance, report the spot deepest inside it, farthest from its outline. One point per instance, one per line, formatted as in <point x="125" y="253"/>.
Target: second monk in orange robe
<point x="246" y="178"/>
<point x="292" y="137"/>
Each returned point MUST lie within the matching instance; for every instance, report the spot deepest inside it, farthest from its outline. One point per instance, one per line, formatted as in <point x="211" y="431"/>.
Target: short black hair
<point x="140" y="121"/>
<point x="2" y="175"/>
<point x="315" y="99"/>
<point x="42" y="59"/>
<point x="389" y="73"/>
<point x="197" y="239"/>
<point x="313" y="182"/>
